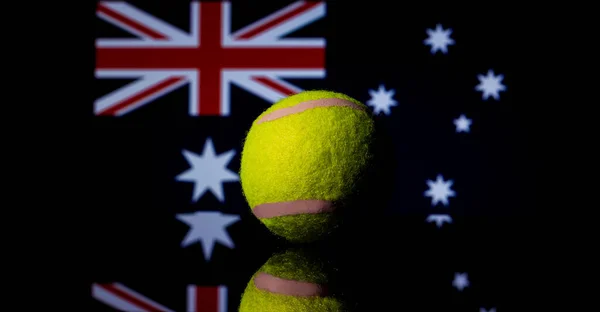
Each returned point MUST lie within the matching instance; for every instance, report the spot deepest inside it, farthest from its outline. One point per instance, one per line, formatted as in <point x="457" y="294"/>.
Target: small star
<point x="462" y="124"/>
<point x="208" y="171"/>
<point x="484" y="310"/>
<point x="439" y="191"/>
<point x="439" y="39"/>
<point x="382" y="100"/>
<point x="461" y="280"/>
<point x="207" y="227"/>
<point x="490" y="85"/>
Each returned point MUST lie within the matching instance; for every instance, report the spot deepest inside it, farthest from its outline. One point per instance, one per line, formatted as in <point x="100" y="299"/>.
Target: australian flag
<point x="177" y="86"/>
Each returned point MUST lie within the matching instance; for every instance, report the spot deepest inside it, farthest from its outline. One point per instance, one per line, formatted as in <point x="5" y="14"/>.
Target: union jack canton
<point x="123" y="298"/>
<point x="209" y="57"/>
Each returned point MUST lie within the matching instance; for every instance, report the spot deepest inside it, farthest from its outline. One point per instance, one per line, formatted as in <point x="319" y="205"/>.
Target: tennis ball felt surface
<point x="289" y="282"/>
<point x="302" y="158"/>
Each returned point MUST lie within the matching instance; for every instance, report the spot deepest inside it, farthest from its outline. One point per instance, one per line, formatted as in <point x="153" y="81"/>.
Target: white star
<point x="208" y="171"/>
<point x="461" y="280"/>
<point x="484" y="310"/>
<point x="490" y="85"/>
<point x="207" y="227"/>
<point x="462" y="124"/>
<point x="382" y="100"/>
<point x="439" y="191"/>
<point x="439" y="39"/>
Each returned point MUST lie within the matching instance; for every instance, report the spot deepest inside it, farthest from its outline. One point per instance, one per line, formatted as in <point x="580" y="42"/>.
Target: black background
<point x="390" y="260"/>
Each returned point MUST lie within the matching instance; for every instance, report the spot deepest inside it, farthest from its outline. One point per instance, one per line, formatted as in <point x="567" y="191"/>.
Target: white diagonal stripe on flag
<point x="255" y="48"/>
<point x="122" y="298"/>
<point x="136" y="16"/>
<point x="137" y="93"/>
<point x="272" y="33"/>
<point x="254" y="81"/>
<point x="288" y="9"/>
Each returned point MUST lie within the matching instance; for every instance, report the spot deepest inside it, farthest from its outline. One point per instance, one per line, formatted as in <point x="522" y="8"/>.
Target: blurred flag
<point x="208" y="57"/>
<point x="122" y="298"/>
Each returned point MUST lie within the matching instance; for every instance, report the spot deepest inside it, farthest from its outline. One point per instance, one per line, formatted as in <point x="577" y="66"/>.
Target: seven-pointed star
<point x="439" y="39"/>
<point x="490" y="85"/>
<point x="207" y="227"/>
<point x="382" y="100"/>
<point x="439" y="191"/>
<point x="208" y="171"/>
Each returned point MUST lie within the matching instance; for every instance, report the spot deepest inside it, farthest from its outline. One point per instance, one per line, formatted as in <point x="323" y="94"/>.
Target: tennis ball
<point x="302" y="159"/>
<point x="290" y="282"/>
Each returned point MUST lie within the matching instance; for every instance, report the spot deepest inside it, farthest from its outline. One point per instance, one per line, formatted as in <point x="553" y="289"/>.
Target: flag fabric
<point x="122" y="298"/>
<point x="177" y="86"/>
<point x="209" y="56"/>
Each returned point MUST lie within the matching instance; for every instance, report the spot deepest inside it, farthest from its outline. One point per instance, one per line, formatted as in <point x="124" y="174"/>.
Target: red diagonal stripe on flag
<point x="199" y="298"/>
<point x="141" y="96"/>
<point x="205" y="56"/>
<point x="128" y="297"/>
<point x="130" y="23"/>
<point x="256" y="31"/>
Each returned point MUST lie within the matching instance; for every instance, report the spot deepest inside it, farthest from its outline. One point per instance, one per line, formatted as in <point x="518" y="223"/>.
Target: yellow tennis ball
<point x="290" y="282"/>
<point x="301" y="160"/>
